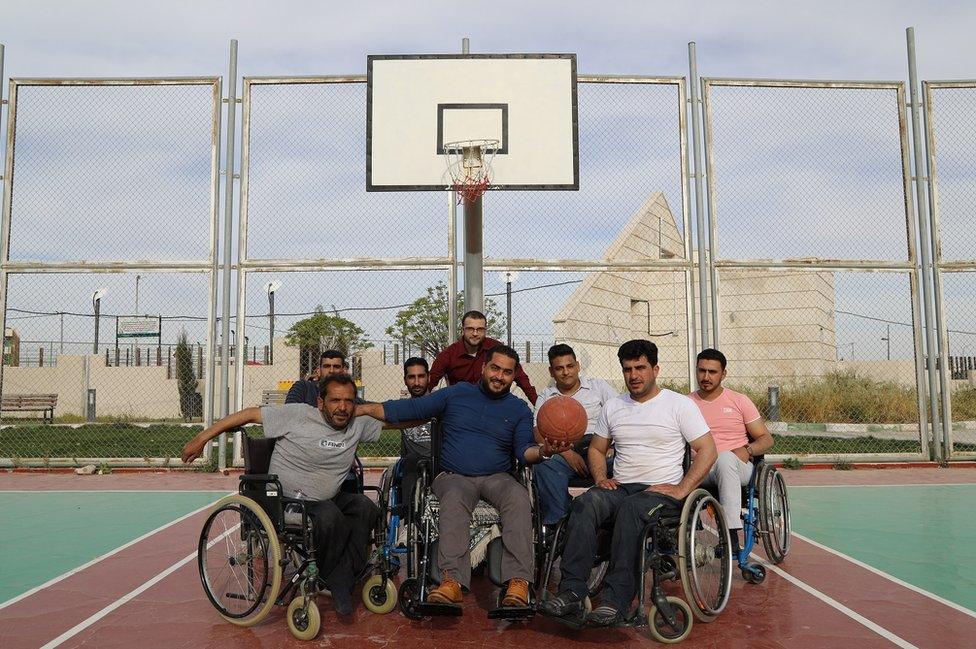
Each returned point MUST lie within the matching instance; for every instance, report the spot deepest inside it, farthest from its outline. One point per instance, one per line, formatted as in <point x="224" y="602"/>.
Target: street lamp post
<point x="138" y="277"/>
<point x="97" y="305"/>
<point x="509" y="277"/>
<point x="271" y="287"/>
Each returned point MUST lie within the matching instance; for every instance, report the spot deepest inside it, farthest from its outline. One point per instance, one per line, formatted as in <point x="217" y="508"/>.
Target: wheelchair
<point x="256" y="549"/>
<point x="692" y="548"/>
<point x="421" y="545"/>
<point x="765" y="519"/>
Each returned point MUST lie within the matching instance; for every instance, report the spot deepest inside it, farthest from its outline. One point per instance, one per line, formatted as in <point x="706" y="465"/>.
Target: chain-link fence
<point x="815" y="261"/>
<point x="952" y="169"/>
<point x="112" y="337"/>
<point x="108" y="268"/>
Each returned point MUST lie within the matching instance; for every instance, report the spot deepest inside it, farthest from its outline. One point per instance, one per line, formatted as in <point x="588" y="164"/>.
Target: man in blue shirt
<point x="485" y="428"/>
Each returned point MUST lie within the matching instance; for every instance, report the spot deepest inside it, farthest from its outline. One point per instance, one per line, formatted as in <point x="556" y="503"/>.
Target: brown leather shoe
<point x="517" y="593"/>
<point x="449" y="592"/>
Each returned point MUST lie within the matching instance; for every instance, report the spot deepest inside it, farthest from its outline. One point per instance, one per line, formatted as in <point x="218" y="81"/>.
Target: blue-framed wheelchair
<point x="256" y="549"/>
<point x="692" y="548"/>
<point x="422" y="572"/>
<point x="765" y="519"/>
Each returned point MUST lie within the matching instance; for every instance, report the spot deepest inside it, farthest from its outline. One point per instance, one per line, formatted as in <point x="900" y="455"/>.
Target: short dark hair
<point x="562" y="349"/>
<point x="477" y="315"/>
<point x="415" y="360"/>
<point x="634" y="349"/>
<point x="504" y="350"/>
<point x="711" y="355"/>
<point x="341" y="379"/>
<point x="333" y="353"/>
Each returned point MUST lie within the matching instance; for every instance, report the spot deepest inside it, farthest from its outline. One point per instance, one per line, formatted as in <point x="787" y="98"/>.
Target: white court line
<point x="81" y="626"/>
<point x="892" y="578"/>
<point x="833" y="603"/>
<point x="84" y="566"/>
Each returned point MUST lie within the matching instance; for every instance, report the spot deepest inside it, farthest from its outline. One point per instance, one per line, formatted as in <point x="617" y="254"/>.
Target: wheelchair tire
<point x="378" y="599"/>
<point x="774" y="514"/>
<point x="664" y="632"/>
<point x="245" y="541"/>
<point x="704" y="555"/>
<point x="304" y="619"/>
<point x="407" y="598"/>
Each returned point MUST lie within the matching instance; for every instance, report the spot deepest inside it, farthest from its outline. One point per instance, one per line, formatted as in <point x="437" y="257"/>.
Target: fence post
<point x="138" y="356"/>
<point x="528" y="352"/>
<point x="169" y="363"/>
<point x="40" y="357"/>
<point x="773" y="414"/>
<point x="396" y="353"/>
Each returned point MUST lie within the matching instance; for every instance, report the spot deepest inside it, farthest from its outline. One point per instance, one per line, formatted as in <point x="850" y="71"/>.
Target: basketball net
<point x="469" y="166"/>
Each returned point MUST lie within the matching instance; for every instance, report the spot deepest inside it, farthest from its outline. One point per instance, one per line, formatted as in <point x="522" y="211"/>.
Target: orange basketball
<point x="562" y="419"/>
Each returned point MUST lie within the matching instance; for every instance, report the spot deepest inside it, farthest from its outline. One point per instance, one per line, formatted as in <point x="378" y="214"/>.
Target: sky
<point x="823" y="40"/>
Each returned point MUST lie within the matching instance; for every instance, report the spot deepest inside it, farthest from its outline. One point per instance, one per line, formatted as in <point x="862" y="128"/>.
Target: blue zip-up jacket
<point x="482" y="432"/>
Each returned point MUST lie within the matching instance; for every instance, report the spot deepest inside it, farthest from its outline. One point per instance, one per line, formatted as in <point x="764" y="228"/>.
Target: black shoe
<point x="603" y="616"/>
<point x="342" y="601"/>
<point x="564" y="604"/>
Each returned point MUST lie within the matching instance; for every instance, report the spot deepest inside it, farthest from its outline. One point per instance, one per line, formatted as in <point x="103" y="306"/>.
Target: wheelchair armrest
<point x="259" y="478"/>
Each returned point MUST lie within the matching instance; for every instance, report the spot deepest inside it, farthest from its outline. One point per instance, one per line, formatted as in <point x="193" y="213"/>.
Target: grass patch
<point x="843" y="398"/>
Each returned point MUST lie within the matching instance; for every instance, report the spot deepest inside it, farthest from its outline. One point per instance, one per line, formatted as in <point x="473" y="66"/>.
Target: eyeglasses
<point x="477" y="330"/>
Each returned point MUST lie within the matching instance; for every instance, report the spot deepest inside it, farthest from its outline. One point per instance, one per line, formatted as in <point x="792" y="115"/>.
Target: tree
<point x="423" y="324"/>
<point x="191" y="405"/>
<point x="331" y="331"/>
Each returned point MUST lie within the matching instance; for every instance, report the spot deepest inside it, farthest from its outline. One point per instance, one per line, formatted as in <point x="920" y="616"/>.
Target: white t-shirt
<point x="650" y="437"/>
<point x="592" y="395"/>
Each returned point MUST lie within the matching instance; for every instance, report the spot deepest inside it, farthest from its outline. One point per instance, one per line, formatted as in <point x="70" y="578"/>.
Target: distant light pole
<point x="97" y="305"/>
<point x="271" y="287"/>
<point x="887" y="340"/>
<point x="138" y="277"/>
<point x="509" y="277"/>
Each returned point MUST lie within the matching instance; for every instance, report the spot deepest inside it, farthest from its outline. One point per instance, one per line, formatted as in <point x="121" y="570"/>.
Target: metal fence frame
<point x="910" y="266"/>
<point x="448" y="263"/>
<point x="207" y="267"/>
<point x="939" y="265"/>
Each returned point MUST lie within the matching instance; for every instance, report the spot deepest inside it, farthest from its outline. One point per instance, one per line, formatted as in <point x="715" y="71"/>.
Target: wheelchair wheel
<point x="662" y="630"/>
<point x="407" y="598"/>
<point x="304" y="618"/>
<point x="774" y="514"/>
<point x="704" y="555"/>
<point x="377" y="598"/>
<point x="238" y="558"/>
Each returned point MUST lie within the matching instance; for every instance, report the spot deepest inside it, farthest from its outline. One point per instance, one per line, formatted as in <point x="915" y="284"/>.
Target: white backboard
<point x="417" y="103"/>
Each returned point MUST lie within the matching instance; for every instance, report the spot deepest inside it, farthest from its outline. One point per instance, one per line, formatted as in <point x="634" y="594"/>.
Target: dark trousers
<point x="342" y="532"/>
<point x="552" y="479"/>
<point x="631" y="508"/>
<point x="410" y="471"/>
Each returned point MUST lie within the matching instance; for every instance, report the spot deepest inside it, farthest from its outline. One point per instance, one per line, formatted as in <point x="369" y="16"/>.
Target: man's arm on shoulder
<point x="296" y="393"/>
<point x="406" y="411"/>
<point x="194" y="448"/>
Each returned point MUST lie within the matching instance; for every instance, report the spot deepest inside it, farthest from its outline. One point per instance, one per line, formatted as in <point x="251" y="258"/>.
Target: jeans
<point x="631" y="507"/>
<point x="552" y="479"/>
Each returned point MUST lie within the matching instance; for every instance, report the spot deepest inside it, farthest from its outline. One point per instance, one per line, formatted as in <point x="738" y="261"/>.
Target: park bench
<point x="43" y="403"/>
<point x="273" y="397"/>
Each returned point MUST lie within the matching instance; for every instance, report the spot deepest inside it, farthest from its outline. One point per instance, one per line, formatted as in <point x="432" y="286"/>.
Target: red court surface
<point x="149" y="595"/>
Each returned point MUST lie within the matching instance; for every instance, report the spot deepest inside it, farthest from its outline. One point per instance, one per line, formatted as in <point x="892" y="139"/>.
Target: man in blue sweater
<point x="485" y="428"/>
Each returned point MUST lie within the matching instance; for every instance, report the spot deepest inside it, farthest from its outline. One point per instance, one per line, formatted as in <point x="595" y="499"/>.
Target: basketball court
<point x="880" y="558"/>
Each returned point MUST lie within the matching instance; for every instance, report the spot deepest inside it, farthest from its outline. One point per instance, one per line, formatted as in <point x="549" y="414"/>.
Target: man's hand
<point x="576" y="462"/>
<point x="608" y="483"/>
<point x="668" y="490"/>
<point x="550" y="447"/>
<point x="192" y="450"/>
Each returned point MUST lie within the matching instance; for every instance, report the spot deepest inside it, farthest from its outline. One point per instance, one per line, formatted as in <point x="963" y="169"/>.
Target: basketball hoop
<point x="469" y="165"/>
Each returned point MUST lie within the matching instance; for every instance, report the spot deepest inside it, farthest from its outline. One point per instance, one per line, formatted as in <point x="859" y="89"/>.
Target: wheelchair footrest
<point x="573" y="620"/>
<point x="436" y="608"/>
<point x="512" y="613"/>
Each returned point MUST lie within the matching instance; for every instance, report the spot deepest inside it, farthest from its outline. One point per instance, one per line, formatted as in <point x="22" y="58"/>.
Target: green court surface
<point x="46" y="533"/>
<point x="922" y="534"/>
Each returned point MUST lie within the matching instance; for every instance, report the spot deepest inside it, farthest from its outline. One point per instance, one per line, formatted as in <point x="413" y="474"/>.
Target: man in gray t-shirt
<point x="312" y="455"/>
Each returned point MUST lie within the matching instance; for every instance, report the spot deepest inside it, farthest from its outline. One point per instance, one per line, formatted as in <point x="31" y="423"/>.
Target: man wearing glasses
<point x="463" y="361"/>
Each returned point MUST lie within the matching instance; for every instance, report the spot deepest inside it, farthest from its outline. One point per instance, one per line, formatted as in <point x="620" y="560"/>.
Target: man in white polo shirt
<point x="739" y="434"/>
<point x="552" y="476"/>
<point x="649" y="428"/>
